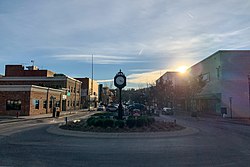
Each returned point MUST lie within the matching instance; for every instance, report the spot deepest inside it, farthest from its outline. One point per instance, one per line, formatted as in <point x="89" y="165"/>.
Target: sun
<point x="182" y="69"/>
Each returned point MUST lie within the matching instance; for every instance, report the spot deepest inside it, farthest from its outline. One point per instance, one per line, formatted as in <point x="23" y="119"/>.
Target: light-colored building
<point x="89" y="93"/>
<point x="107" y="96"/>
<point x="179" y="82"/>
<point x="227" y="83"/>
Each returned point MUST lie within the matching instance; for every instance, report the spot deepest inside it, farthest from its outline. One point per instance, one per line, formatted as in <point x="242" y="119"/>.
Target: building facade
<point x="89" y="93"/>
<point x="29" y="100"/>
<point x="70" y="87"/>
<point x="179" y="83"/>
<point x="227" y="83"/>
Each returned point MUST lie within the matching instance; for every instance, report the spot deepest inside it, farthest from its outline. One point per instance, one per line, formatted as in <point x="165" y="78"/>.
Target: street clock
<point x="120" y="80"/>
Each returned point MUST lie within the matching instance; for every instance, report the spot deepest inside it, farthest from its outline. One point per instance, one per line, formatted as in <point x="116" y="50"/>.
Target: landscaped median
<point x="107" y="122"/>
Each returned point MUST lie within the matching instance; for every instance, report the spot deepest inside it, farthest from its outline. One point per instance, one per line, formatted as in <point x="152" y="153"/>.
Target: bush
<point x="108" y="123"/>
<point x="104" y="114"/>
<point x="142" y="121"/>
<point x="151" y="120"/>
<point x="91" y="121"/>
<point x="119" y="123"/>
<point x="131" y="122"/>
<point x="98" y="122"/>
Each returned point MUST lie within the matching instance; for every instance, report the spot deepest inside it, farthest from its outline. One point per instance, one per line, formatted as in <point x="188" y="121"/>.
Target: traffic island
<point x="108" y="123"/>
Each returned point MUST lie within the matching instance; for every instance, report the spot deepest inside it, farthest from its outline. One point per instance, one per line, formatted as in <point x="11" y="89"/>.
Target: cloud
<point x="146" y="77"/>
<point x="141" y="78"/>
<point x="140" y="70"/>
<point x="97" y="59"/>
<point x="135" y="35"/>
<point x="105" y="80"/>
<point x="141" y="51"/>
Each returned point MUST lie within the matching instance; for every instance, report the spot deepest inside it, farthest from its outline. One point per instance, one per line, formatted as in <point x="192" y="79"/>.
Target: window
<point x="13" y="104"/>
<point x="45" y="104"/>
<point x="36" y="104"/>
<point x="218" y="71"/>
<point x="68" y="103"/>
<point x="77" y="104"/>
<point x="57" y="103"/>
<point x="206" y="77"/>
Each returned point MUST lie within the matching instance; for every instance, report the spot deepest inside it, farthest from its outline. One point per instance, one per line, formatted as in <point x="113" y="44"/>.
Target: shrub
<point x="131" y="122"/>
<point x="103" y="114"/>
<point x="142" y="121"/>
<point x="151" y="120"/>
<point x="91" y="121"/>
<point x="98" y="122"/>
<point x="108" y="123"/>
<point x="119" y="123"/>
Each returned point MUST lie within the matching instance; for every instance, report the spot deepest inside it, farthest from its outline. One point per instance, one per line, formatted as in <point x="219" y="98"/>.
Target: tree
<point x="195" y="86"/>
<point x="164" y="93"/>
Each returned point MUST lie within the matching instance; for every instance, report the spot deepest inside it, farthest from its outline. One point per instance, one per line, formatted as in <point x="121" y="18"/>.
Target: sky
<point x="143" y="38"/>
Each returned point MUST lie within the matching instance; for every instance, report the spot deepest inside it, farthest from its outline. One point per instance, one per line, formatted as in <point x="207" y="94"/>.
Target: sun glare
<point x="182" y="69"/>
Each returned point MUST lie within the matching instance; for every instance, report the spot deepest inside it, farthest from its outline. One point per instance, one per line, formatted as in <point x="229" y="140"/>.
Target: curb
<point x="14" y="120"/>
<point x="22" y="120"/>
<point x="128" y="135"/>
<point x="236" y="122"/>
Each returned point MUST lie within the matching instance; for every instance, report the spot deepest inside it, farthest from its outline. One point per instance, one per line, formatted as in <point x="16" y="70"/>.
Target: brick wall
<point x="23" y="96"/>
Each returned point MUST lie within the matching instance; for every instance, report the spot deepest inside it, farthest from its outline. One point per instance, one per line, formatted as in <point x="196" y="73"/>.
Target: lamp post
<point x="120" y="82"/>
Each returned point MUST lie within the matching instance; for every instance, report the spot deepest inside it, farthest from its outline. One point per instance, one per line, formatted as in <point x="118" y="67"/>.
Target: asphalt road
<point x="216" y="144"/>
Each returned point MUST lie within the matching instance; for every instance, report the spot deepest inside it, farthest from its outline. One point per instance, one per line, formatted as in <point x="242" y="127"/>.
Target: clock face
<point x="119" y="80"/>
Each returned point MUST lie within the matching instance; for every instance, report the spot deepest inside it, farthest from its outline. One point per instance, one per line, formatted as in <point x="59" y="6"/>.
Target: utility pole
<point x="92" y="77"/>
<point x="230" y="106"/>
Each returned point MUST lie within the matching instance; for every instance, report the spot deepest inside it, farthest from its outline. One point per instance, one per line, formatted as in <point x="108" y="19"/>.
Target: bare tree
<point x="164" y="93"/>
<point x="195" y="85"/>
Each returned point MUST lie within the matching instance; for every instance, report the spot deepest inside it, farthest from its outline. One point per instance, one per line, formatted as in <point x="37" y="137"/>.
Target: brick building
<point x="70" y="88"/>
<point x="29" y="99"/>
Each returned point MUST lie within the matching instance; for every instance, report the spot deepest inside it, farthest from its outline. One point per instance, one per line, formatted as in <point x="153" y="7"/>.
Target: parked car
<point x="167" y="111"/>
<point x="111" y="108"/>
<point x="137" y="106"/>
<point x="101" y="108"/>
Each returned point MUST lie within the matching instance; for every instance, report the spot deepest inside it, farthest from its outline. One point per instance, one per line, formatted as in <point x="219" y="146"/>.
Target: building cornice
<point x="27" y="88"/>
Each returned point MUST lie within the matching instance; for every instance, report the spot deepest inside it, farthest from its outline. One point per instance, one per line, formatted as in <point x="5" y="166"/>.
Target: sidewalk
<point x="8" y="119"/>
<point x="240" y="121"/>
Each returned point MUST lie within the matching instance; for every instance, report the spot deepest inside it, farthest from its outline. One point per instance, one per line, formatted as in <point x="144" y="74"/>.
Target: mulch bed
<point x="158" y="126"/>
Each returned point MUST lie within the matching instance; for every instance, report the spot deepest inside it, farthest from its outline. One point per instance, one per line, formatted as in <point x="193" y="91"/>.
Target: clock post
<point x="120" y="82"/>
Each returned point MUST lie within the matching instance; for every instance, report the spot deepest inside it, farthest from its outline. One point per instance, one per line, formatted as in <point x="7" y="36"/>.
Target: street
<point x="217" y="143"/>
